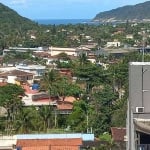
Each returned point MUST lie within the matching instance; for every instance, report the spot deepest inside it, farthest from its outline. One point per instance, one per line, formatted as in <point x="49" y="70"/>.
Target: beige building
<point x="57" y="50"/>
<point x="129" y="36"/>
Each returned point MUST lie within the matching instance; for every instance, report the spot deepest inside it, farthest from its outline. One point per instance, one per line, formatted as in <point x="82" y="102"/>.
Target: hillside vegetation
<point x="12" y="20"/>
<point x="134" y="12"/>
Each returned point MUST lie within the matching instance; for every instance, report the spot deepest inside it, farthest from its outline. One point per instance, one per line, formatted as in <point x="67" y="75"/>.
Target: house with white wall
<point x="8" y="142"/>
<point x="13" y="76"/>
<point x="129" y="36"/>
<point x="113" y="44"/>
<point x="38" y="70"/>
<point x="57" y="50"/>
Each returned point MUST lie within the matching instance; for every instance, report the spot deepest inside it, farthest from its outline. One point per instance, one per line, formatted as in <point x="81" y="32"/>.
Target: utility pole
<point x="55" y="117"/>
<point x="87" y="121"/>
<point x="143" y="45"/>
<point x="87" y="115"/>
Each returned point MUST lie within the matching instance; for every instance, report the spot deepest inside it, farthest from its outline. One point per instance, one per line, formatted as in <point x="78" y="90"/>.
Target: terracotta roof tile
<point x="36" y="148"/>
<point x="3" y="83"/>
<point x="64" y="106"/>
<point x="64" y="148"/>
<point x="28" y="90"/>
<point x="51" y="148"/>
<point x="70" y="99"/>
<point x="118" y="133"/>
<point x="49" y="142"/>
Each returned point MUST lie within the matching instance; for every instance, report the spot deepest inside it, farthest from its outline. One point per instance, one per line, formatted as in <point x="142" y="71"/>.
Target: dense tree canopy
<point x="9" y="94"/>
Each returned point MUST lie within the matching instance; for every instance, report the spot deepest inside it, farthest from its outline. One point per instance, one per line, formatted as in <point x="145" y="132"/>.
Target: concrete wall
<point x="139" y="88"/>
<point x="11" y="79"/>
<point x="139" y="96"/>
<point x="7" y="142"/>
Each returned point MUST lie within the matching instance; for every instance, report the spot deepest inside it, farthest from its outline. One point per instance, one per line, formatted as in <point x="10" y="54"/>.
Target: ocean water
<point x="63" y="21"/>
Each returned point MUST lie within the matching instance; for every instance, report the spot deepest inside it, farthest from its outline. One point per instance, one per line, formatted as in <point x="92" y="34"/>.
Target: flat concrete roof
<point x="139" y="63"/>
<point x="85" y="137"/>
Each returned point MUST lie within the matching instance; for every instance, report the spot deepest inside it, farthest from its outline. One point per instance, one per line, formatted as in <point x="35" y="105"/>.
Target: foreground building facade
<point x="138" y="116"/>
<point x="66" y="141"/>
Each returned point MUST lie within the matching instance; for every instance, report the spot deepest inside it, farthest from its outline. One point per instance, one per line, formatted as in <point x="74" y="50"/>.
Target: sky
<point x="65" y="9"/>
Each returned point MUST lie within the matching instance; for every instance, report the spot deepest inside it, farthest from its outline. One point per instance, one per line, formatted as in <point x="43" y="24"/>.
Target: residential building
<point x="113" y="44"/>
<point x="72" y="141"/>
<point x="49" y="144"/>
<point x="16" y="76"/>
<point x="7" y="142"/>
<point x="57" y="50"/>
<point x="129" y="36"/>
<point x="119" y="137"/>
<point x="83" y="49"/>
<point x="138" y="114"/>
<point x="38" y="99"/>
<point x="118" y="134"/>
<point x="37" y="70"/>
<point x="41" y="54"/>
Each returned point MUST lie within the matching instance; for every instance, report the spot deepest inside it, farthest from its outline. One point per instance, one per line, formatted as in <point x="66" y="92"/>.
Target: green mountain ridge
<point x="14" y="29"/>
<point x="10" y="19"/>
<point x="138" y="12"/>
<point x="8" y="13"/>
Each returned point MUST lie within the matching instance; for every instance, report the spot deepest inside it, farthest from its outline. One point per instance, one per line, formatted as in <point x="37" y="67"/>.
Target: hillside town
<point x="74" y="87"/>
<point x="28" y="73"/>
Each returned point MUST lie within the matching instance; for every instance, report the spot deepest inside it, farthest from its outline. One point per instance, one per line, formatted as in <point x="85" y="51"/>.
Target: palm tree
<point x="49" y="82"/>
<point x="83" y="59"/>
<point x="9" y="99"/>
<point x="45" y="113"/>
<point x="24" y="122"/>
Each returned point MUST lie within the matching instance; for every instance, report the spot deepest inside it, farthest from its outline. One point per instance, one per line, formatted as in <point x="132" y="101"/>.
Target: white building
<point x="113" y="44"/>
<point x="129" y="36"/>
<point x="38" y="70"/>
<point x="8" y="142"/>
<point x="57" y="50"/>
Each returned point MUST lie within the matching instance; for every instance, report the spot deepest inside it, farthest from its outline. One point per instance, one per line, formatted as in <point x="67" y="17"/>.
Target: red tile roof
<point x="67" y="104"/>
<point x="52" y="142"/>
<point x="64" y="106"/>
<point x="3" y="83"/>
<point x="36" y="148"/>
<point x="28" y="90"/>
<point x="64" y="148"/>
<point x="70" y="99"/>
<point x="118" y="133"/>
<point x="51" y="148"/>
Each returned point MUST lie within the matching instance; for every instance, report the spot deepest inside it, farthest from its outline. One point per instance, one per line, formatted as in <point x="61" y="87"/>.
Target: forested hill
<point x="139" y="12"/>
<point x="11" y="20"/>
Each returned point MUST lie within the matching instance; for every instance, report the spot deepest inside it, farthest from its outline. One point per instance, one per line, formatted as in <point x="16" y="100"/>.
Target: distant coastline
<point x="63" y="21"/>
